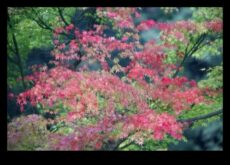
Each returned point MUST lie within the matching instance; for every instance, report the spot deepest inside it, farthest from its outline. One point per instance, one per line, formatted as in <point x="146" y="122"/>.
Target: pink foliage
<point x="146" y="25"/>
<point x="159" y="125"/>
<point x="216" y="25"/>
<point x="111" y="14"/>
<point x="69" y="27"/>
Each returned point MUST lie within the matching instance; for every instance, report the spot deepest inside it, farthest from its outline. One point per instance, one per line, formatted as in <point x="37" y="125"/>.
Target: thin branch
<point x="10" y="47"/>
<point x="201" y="116"/>
<point x="206" y="43"/>
<point x="186" y="49"/>
<point x="43" y="25"/>
<point x="190" y="52"/>
<point x="62" y="17"/>
<point x="198" y="43"/>
<point x="41" y="22"/>
<point x="17" y="53"/>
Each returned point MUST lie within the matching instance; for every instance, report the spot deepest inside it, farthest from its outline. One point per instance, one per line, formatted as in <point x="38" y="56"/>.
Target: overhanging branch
<point x="201" y="116"/>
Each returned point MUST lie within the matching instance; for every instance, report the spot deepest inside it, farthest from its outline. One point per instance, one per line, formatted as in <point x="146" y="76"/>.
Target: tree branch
<point x="197" y="44"/>
<point x="17" y="53"/>
<point x="10" y="47"/>
<point x="41" y="22"/>
<point x="62" y="17"/>
<point x="206" y="43"/>
<point x="201" y="116"/>
<point x="190" y="52"/>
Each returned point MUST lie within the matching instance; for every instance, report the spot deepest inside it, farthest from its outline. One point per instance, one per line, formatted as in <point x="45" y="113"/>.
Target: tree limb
<point x="17" y="53"/>
<point x="10" y="47"/>
<point x="62" y="17"/>
<point x="41" y="22"/>
<point x="190" y="52"/>
<point x="206" y="43"/>
<point x="201" y="116"/>
<point x="198" y="45"/>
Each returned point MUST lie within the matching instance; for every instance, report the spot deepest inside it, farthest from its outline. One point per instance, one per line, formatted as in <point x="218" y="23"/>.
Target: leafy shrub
<point x="27" y="133"/>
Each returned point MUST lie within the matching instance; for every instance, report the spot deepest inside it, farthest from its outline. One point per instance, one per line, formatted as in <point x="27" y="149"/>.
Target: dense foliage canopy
<point x="135" y="97"/>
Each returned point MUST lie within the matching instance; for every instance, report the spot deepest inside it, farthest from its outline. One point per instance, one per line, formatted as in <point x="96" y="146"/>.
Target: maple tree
<point x="99" y="108"/>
